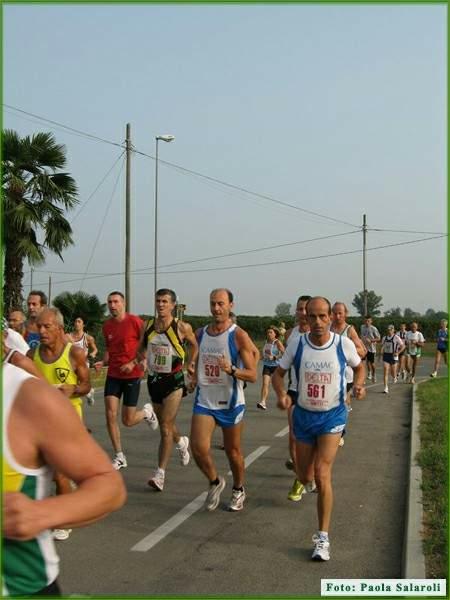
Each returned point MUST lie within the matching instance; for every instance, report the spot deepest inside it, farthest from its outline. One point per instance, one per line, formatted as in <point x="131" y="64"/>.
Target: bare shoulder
<point x="77" y="353"/>
<point x="184" y="328"/>
<point x="243" y="339"/>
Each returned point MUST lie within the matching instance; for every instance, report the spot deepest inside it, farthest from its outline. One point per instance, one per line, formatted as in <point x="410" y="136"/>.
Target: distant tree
<point x="410" y="314"/>
<point x="441" y="314"/>
<point x="393" y="312"/>
<point x="283" y="309"/>
<point x="430" y="313"/>
<point x="36" y="195"/>
<point x="84" y="305"/>
<point x="374" y="303"/>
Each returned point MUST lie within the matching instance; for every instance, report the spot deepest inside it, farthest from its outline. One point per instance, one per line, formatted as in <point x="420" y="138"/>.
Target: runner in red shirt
<point x="122" y="334"/>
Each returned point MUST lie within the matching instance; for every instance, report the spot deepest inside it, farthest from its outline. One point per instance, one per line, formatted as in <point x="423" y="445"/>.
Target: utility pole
<point x="127" y="218"/>
<point x="49" y="290"/>
<point x="364" y="229"/>
<point x="31" y="280"/>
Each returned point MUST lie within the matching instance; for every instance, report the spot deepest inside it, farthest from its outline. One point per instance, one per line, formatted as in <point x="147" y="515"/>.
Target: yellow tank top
<point x="59" y="372"/>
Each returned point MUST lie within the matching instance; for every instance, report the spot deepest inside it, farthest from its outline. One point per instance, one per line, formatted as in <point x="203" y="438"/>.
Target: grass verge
<point x="433" y="459"/>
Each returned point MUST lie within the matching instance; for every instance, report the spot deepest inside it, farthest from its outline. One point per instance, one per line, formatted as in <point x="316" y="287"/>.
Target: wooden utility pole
<point x="49" y="290"/>
<point x="127" y="219"/>
<point x="364" y="229"/>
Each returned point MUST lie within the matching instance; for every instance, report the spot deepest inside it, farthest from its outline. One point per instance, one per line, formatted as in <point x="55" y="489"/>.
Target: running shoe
<point x="341" y="442"/>
<point x="433" y="374"/>
<point x="150" y="416"/>
<point x="289" y="464"/>
<point x="369" y="376"/>
<point x="311" y="487"/>
<point x="213" y="496"/>
<point x="157" y="481"/>
<point x="374" y="379"/>
<point x="90" y="397"/>
<point x="237" y="500"/>
<point x="61" y="534"/>
<point x="395" y="379"/>
<point x="386" y="390"/>
<point x="119" y="462"/>
<point x="413" y="380"/>
<point x="261" y="405"/>
<point x="321" y="548"/>
<point x="182" y="448"/>
<point x="296" y="492"/>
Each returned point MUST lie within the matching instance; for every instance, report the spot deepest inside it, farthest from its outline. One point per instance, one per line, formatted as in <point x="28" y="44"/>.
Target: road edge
<point x="413" y="557"/>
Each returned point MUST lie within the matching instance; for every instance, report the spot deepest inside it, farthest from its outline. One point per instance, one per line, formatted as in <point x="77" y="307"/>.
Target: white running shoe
<point x="182" y="448"/>
<point x="150" y="416"/>
<point x="374" y="379"/>
<point x="395" y="379"/>
<point x="261" y="405"/>
<point x="413" y="380"/>
<point x="321" y="548"/>
<point x="341" y="442"/>
<point x="369" y="376"/>
<point x="119" y="462"/>
<point x="61" y="534"/>
<point x="90" y="397"/>
<point x="311" y="487"/>
<point x="433" y="374"/>
<point x="213" y="496"/>
<point x="157" y="481"/>
<point x="386" y="390"/>
<point x="237" y="500"/>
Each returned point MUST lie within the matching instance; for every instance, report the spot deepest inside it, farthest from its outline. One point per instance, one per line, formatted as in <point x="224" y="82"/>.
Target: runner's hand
<point x="284" y="402"/>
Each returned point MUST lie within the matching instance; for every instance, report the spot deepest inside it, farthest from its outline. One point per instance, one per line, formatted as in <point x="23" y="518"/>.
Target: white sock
<point x="120" y="455"/>
<point x="323" y="535"/>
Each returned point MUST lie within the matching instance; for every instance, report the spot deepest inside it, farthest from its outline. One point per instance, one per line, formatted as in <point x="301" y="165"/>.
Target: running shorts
<point x="309" y="425"/>
<point x="128" y="387"/>
<point x="223" y="417"/>
<point x="159" y="387"/>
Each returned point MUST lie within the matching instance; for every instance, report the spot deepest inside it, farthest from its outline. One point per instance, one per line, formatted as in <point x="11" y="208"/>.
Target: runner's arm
<point x="83" y="385"/>
<point x="92" y="346"/>
<point x="187" y="334"/>
<point x="53" y="431"/>
<point x="283" y="401"/>
<point x="246" y="351"/>
<point x="360" y="348"/>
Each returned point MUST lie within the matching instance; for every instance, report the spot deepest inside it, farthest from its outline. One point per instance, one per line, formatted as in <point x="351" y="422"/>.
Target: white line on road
<point x="161" y="532"/>
<point x="283" y="432"/>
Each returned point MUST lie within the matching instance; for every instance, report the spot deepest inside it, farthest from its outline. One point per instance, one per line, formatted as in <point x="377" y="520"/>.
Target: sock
<point x="120" y="455"/>
<point x="323" y="535"/>
<point x="216" y="481"/>
<point x="161" y="471"/>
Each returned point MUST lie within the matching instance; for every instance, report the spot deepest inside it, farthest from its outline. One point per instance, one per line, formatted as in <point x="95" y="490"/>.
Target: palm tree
<point x="84" y="305"/>
<point x="35" y="198"/>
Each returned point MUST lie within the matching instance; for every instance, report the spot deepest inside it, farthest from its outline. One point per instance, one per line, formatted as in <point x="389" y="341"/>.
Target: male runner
<point x="36" y="303"/>
<point x="370" y="336"/>
<point x="226" y="359"/>
<point x="122" y="334"/>
<point x="320" y="414"/>
<point x="41" y="434"/>
<point x="16" y="320"/>
<point x="391" y="345"/>
<point x="83" y="340"/>
<point x="441" y="347"/>
<point x="63" y="366"/>
<point x="163" y="343"/>
<point x="414" y="343"/>
<point x="292" y="335"/>
<point x="402" y="354"/>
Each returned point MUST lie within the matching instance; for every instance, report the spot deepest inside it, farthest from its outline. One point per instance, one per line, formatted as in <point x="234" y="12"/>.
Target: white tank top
<point x="81" y="343"/>
<point x="216" y="389"/>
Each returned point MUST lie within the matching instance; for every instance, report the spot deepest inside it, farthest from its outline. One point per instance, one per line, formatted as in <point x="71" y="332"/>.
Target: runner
<point x="272" y="352"/>
<point x="442" y="347"/>
<point x="225" y="361"/>
<point x="414" y="343"/>
<point x="339" y="325"/>
<point x="16" y="321"/>
<point x="319" y="358"/>
<point x="83" y="340"/>
<point x="36" y="303"/>
<point x="122" y="334"/>
<point x="370" y="336"/>
<point x="292" y="335"/>
<point x="41" y="433"/>
<point x="391" y="345"/>
<point x="402" y="355"/>
<point x="163" y="343"/>
<point x="63" y="366"/>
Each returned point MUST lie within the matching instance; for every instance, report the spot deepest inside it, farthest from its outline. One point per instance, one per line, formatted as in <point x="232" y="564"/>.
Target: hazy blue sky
<point x="339" y="110"/>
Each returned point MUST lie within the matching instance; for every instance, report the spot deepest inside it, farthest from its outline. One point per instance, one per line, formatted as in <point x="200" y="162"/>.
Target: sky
<point x="290" y="121"/>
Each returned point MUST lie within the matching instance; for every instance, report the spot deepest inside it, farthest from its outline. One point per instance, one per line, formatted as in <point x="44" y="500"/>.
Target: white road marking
<point x="283" y="432"/>
<point x="161" y="532"/>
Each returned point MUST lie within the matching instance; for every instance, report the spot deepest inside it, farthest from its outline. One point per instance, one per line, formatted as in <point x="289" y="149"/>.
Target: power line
<point x="258" y="264"/>
<point x="406" y="231"/>
<point x="189" y="171"/>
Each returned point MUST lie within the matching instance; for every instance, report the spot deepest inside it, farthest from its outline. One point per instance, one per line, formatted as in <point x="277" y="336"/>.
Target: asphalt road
<point x="166" y="544"/>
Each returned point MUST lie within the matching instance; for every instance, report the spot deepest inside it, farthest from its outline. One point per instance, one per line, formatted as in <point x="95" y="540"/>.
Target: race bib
<point x="159" y="358"/>
<point x="267" y="351"/>
<point x="211" y="373"/>
<point x="317" y="386"/>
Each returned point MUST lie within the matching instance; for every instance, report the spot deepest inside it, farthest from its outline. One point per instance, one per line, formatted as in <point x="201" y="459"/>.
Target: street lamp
<point x="164" y="138"/>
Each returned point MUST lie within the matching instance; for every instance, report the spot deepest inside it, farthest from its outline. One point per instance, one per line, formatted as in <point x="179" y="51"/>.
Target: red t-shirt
<point x="122" y="341"/>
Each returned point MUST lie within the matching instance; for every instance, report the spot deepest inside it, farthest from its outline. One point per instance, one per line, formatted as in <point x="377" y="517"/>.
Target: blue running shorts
<point x="309" y="425"/>
<point x="223" y="417"/>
